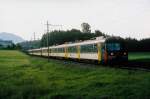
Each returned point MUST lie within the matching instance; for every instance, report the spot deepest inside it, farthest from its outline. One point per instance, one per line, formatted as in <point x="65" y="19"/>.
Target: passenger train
<point x="102" y="50"/>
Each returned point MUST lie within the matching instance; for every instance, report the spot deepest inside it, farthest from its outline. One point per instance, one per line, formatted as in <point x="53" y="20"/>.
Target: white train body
<point x="90" y="50"/>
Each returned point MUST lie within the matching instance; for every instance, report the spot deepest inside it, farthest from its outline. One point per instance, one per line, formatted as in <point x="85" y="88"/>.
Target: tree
<point x="86" y="28"/>
<point x="61" y="37"/>
<point x="18" y="47"/>
<point x="98" y="33"/>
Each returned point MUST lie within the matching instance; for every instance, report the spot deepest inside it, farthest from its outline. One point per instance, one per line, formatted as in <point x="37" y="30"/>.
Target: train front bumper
<point x="118" y="58"/>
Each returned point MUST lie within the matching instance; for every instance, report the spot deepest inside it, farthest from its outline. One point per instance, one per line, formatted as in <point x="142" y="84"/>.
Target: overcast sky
<point x="118" y="17"/>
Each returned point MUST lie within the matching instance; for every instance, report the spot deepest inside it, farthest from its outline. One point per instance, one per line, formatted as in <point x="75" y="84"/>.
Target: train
<point x="101" y="50"/>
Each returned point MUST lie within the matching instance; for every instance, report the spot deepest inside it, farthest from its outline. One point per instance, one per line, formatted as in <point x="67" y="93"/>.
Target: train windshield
<point x="113" y="46"/>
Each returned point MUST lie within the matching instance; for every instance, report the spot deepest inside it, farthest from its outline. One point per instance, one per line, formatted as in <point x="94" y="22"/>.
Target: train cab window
<point x="89" y="48"/>
<point x="113" y="46"/>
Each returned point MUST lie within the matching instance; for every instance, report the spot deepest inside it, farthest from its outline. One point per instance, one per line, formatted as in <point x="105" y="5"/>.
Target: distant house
<point x="5" y="44"/>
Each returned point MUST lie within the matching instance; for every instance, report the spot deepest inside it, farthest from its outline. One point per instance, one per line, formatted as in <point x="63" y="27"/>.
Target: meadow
<point x="26" y="77"/>
<point x="139" y="56"/>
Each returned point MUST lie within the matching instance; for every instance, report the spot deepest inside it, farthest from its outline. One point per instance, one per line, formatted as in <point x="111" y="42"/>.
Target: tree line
<point x="135" y="45"/>
<point x="74" y="35"/>
<point x="11" y="47"/>
<point x="61" y="37"/>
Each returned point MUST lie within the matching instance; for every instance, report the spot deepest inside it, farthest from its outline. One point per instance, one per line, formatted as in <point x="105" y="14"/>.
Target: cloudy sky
<point x="114" y="17"/>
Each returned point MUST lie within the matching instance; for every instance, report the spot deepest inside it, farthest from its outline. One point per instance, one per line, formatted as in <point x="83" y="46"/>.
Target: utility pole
<point x="47" y="24"/>
<point x="34" y="36"/>
<point x="40" y="46"/>
<point x="30" y="45"/>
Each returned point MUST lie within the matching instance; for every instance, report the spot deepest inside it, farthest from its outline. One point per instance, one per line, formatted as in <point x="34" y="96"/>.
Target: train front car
<point x="115" y="50"/>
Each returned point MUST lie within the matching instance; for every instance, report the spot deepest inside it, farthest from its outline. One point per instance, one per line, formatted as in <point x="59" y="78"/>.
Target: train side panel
<point x="91" y="51"/>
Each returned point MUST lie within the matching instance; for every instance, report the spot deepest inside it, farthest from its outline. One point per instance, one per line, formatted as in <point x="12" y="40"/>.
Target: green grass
<point x="25" y="77"/>
<point x="139" y="56"/>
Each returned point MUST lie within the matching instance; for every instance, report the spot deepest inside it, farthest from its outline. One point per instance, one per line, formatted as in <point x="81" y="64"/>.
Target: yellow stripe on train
<point x="99" y="52"/>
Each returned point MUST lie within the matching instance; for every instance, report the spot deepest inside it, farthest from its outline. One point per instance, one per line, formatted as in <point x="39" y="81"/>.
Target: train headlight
<point x="111" y="54"/>
<point x="124" y="53"/>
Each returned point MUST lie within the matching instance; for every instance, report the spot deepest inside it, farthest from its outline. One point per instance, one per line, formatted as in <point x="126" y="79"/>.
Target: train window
<point x="113" y="46"/>
<point x="57" y="50"/>
<point x="72" y="49"/>
<point x="60" y="50"/>
<point x="53" y="50"/>
<point x="88" y="48"/>
<point x="44" y="51"/>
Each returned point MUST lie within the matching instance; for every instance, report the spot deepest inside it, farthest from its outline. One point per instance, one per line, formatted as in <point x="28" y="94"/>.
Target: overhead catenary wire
<point x="47" y="25"/>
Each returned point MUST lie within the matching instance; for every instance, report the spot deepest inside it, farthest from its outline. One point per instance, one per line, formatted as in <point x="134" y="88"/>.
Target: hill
<point x="10" y="36"/>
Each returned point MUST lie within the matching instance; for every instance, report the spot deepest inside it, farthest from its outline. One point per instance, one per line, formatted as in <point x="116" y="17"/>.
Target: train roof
<point x="97" y="40"/>
<point x="102" y="40"/>
<point x="79" y="43"/>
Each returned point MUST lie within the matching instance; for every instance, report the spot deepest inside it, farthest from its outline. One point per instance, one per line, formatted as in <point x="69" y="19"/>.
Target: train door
<point x="104" y="53"/>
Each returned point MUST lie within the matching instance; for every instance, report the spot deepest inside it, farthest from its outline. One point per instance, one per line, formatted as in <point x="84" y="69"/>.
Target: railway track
<point x="130" y="65"/>
<point x="137" y="65"/>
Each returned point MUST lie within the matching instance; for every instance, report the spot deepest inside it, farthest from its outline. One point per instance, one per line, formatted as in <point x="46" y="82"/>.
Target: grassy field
<point x="25" y="77"/>
<point x="139" y="56"/>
